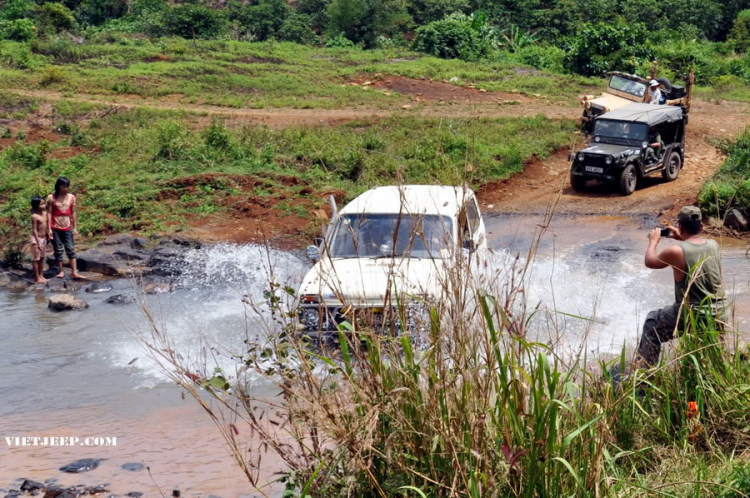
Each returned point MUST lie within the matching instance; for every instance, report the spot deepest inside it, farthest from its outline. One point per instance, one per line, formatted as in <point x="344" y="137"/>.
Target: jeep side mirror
<point x="312" y="253"/>
<point x="318" y="241"/>
<point x="469" y="244"/>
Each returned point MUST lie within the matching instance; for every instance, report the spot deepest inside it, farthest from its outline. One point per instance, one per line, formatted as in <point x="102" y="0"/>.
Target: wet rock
<point x="176" y="493"/>
<point x="64" y="302"/>
<point x="736" y="220"/>
<point x="118" y="239"/>
<point x="13" y="493"/>
<point x="54" y="492"/>
<point x="127" y="254"/>
<point x="121" y="299"/>
<point x="135" y="494"/>
<point x="139" y="243"/>
<point x="157" y="288"/>
<point x="98" y="261"/>
<point x="96" y="490"/>
<point x="83" y="465"/>
<point x="29" y="485"/>
<point x="98" y="287"/>
<point x="133" y="467"/>
<point x="166" y="260"/>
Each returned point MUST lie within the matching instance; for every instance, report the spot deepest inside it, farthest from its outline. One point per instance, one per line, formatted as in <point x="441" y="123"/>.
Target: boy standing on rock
<point x="39" y="234"/>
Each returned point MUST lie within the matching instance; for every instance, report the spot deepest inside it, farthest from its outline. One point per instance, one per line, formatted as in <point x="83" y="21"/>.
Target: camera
<point x="666" y="232"/>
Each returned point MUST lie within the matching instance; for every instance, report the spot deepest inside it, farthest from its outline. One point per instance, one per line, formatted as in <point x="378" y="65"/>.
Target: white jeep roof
<point x="416" y="199"/>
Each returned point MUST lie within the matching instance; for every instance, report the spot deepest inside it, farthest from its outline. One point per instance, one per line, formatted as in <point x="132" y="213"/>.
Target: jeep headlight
<point x="310" y="317"/>
<point x="581" y="156"/>
<point x="644" y="144"/>
<point x="608" y="160"/>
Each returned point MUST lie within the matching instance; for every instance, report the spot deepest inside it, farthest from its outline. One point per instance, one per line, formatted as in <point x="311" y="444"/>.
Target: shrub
<point x="546" y="57"/>
<point x="296" y="28"/>
<point x="338" y="41"/>
<point x="51" y="75"/>
<point x="194" y="21"/>
<point x="740" y="35"/>
<point x="23" y="30"/>
<point x="260" y="20"/>
<point x="425" y="11"/>
<point x="27" y="156"/>
<point x="172" y="140"/>
<point x="601" y="47"/>
<point x="730" y="186"/>
<point x="362" y="21"/>
<point x="217" y="136"/>
<point x="99" y="11"/>
<point x="16" y="9"/>
<point x="56" y="17"/>
<point x="457" y="37"/>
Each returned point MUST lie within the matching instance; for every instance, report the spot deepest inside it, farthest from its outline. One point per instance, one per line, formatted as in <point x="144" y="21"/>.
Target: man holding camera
<point x="696" y="266"/>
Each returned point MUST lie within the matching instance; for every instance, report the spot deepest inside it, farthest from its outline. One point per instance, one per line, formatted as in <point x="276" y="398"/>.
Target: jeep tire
<point x="672" y="167"/>
<point x="628" y="180"/>
<point x="577" y="182"/>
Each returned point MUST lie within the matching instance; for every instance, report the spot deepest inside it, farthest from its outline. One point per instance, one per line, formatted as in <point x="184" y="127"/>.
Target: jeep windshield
<point x="620" y="130"/>
<point x="631" y="87"/>
<point x="382" y="235"/>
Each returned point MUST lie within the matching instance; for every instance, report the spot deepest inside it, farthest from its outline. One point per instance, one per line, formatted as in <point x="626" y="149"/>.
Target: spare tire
<point x="665" y="83"/>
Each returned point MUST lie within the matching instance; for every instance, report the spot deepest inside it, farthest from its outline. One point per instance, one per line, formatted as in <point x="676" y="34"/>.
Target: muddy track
<point x="529" y="192"/>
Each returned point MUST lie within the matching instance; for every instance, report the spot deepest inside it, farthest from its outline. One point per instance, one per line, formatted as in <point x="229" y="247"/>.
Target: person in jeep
<point x="654" y="94"/>
<point x="696" y="267"/>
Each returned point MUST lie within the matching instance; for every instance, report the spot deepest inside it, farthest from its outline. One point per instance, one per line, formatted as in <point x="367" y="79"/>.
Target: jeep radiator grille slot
<point x="595" y="160"/>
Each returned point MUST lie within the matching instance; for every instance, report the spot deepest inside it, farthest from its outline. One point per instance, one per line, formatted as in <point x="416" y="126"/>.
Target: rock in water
<point x="737" y="220"/>
<point x="83" y="465"/>
<point x="63" y="302"/>
<point x="121" y="299"/>
<point x="133" y="467"/>
<point x="157" y="288"/>
<point x="134" y="494"/>
<point x="98" y="287"/>
<point x="29" y="485"/>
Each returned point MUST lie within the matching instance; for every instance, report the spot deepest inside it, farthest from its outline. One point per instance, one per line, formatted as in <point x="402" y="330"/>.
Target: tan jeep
<point x="623" y="89"/>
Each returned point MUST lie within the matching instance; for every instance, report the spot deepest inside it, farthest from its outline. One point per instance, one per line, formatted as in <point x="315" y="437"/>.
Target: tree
<point x="96" y="12"/>
<point x="424" y="11"/>
<point x="55" y="16"/>
<point x="317" y="10"/>
<point x="194" y="21"/>
<point x="740" y="35"/>
<point x="457" y="37"/>
<point x="601" y="47"/>
<point x="362" y="21"/>
<point x="296" y="28"/>
<point x="261" y="19"/>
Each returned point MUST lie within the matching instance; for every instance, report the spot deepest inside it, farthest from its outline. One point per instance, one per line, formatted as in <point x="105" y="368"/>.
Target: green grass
<point x="729" y="187"/>
<point x="136" y="158"/>
<point x="259" y="75"/>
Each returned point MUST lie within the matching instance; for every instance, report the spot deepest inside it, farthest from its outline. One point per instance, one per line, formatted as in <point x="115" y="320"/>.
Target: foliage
<point x="458" y="36"/>
<point x="16" y="9"/>
<point x="426" y="11"/>
<point x="194" y="21"/>
<point x="601" y="47"/>
<point x="23" y="30"/>
<point x="56" y="17"/>
<point x="362" y="21"/>
<point x="296" y="28"/>
<point x="730" y="185"/>
<point x="99" y="11"/>
<point x="740" y="34"/>
<point x="261" y="19"/>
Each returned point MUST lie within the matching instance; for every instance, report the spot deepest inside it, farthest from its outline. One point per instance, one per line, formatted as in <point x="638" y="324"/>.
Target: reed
<point x="474" y="406"/>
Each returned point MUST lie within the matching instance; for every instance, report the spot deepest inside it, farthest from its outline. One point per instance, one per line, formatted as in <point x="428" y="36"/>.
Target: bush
<point x="296" y="28"/>
<point x="425" y="11"/>
<point x="194" y="21"/>
<point x="56" y="17"/>
<point x="740" y="35"/>
<point x="51" y="75"/>
<point x="172" y="140"/>
<point x="730" y="186"/>
<point x="601" y="47"/>
<point x="457" y="37"/>
<point x="546" y="57"/>
<point x="260" y="20"/>
<point x="16" y="9"/>
<point x="362" y="21"/>
<point x="27" y="156"/>
<point x="23" y="30"/>
<point x="339" y="41"/>
<point x="95" y="12"/>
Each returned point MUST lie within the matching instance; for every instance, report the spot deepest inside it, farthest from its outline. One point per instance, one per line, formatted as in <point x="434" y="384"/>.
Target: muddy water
<point x="73" y="374"/>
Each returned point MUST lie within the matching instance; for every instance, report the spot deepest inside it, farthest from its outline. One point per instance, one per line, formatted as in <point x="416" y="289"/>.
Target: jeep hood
<point x="610" y="102"/>
<point x="364" y="281"/>
<point x="607" y="149"/>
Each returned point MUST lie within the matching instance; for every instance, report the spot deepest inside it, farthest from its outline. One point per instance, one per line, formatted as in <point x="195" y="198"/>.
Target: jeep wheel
<point x="628" y="180"/>
<point x="672" y="167"/>
<point x="578" y="182"/>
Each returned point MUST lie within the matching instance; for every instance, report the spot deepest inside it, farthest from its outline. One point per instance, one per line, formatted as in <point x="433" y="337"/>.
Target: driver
<point x="655" y="147"/>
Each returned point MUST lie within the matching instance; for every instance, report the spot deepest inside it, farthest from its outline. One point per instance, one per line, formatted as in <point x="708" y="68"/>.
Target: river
<point x="84" y="374"/>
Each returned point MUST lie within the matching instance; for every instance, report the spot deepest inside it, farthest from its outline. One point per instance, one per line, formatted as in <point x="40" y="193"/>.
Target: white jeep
<point x="385" y="255"/>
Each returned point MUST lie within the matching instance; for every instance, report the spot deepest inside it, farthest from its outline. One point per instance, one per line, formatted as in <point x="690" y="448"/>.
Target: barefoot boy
<point x="39" y="229"/>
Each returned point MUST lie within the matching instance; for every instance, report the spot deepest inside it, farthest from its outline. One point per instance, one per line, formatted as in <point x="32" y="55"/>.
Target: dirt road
<point x="528" y="192"/>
